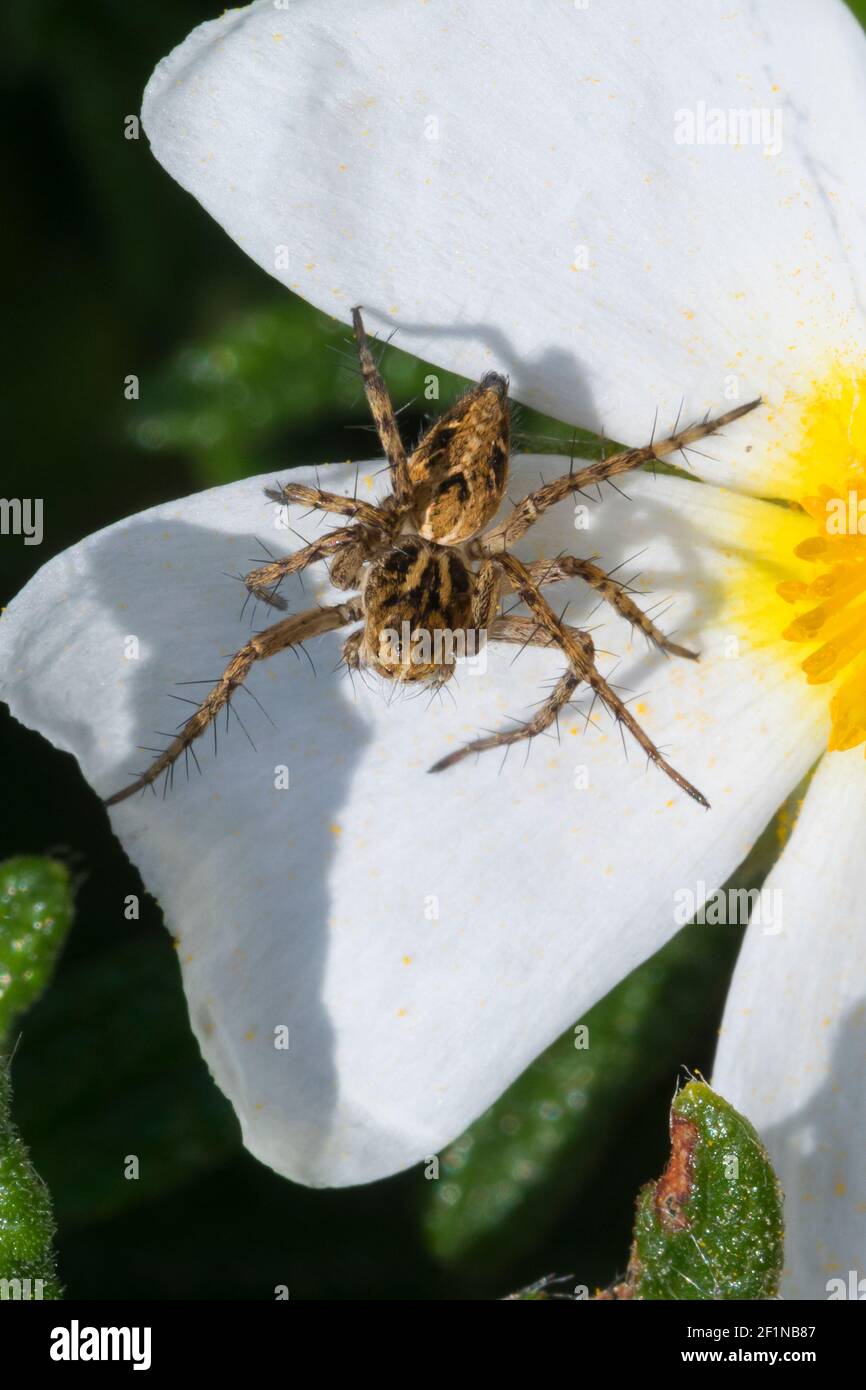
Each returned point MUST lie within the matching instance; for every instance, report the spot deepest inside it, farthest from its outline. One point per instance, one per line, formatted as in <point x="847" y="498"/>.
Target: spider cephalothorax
<point x="430" y="572"/>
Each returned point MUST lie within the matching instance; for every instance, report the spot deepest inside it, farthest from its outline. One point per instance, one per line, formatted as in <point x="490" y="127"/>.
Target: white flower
<point x="541" y="190"/>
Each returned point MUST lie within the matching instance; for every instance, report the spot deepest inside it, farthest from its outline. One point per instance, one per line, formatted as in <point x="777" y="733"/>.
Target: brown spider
<point x="424" y="565"/>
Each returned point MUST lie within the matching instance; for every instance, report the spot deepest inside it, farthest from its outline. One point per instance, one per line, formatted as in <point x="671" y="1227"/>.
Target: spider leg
<point x="612" y="591"/>
<point x="527" y="511"/>
<point x="351" y="650"/>
<point x="322" y="501"/>
<point x="264" y="581"/>
<point x="384" y="417"/>
<point x="288" y="632"/>
<point x="486" y="594"/>
<point x="544" y="716"/>
<point x="583" y="668"/>
<point x="527" y="632"/>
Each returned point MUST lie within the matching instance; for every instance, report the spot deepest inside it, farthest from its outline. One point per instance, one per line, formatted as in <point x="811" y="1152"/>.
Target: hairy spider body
<point x="430" y="576"/>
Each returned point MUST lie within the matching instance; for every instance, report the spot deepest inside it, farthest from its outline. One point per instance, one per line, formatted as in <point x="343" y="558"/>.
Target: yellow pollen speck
<point x="407" y="960"/>
<point x="401" y="1013"/>
<point x="336" y="829"/>
<point x="249" y="1035"/>
<point x="840" y="1189"/>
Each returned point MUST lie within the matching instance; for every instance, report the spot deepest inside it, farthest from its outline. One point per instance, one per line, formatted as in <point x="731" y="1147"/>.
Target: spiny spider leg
<point x="544" y="716"/>
<point x="317" y="499"/>
<point x="527" y="511"/>
<point x="262" y="582"/>
<point x="582" y="669"/>
<point x="528" y="632"/>
<point x="384" y="418"/>
<point x="612" y="591"/>
<point x="351" y="650"/>
<point x="485" y="600"/>
<point x="286" y="633"/>
<point x="585" y="668"/>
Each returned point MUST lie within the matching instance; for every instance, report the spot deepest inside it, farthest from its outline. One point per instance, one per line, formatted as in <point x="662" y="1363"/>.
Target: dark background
<point x="111" y="269"/>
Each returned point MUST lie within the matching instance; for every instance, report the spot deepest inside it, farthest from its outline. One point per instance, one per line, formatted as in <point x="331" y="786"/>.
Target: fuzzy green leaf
<point x="35" y="914"/>
<point x="27" y="1265"/>
<point x="711" y="1227"/>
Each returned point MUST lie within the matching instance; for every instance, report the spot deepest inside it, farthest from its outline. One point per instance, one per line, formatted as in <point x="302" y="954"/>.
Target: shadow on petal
<point x="239" y="866"/>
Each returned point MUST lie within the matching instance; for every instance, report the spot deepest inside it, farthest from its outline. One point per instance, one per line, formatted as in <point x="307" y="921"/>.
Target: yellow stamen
<point x="831" y="460"/>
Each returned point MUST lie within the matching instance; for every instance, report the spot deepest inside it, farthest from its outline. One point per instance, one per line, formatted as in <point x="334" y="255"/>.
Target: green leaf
<point x="35" y="915"/>
<point x="107" y="1033"/>
<point x="711" y="1227"/>
<point x="134" y="1086"/>
<point x="26" y="1218"/>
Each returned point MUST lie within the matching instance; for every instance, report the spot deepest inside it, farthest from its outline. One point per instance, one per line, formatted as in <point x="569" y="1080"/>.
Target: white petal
<point x="792" y="1054"/>
<point x="316" y="907"/>
<point x="451" y="168"/>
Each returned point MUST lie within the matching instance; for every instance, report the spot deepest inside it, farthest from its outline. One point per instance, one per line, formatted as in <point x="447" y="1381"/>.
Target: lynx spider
<point x="424" y="555"/>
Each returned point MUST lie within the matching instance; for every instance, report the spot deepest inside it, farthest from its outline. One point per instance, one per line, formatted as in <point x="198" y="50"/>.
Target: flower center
<point x="831" y="622"/>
